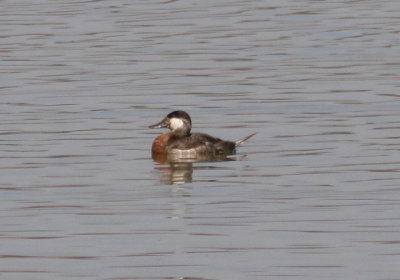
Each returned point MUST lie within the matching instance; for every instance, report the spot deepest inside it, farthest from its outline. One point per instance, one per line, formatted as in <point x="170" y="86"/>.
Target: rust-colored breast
<point x="159" y="143"/>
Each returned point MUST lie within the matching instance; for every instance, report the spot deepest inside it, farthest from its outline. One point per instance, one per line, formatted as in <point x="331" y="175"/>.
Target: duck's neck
<point x="181" y="132"/>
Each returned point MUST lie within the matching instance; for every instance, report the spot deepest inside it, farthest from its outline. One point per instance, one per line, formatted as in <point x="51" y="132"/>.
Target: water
<point x="315" y="195"/>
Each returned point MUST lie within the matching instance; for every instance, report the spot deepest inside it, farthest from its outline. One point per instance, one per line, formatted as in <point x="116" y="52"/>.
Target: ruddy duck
<point x="179" y="143"/>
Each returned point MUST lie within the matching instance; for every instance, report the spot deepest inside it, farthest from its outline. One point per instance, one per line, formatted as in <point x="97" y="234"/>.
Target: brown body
<point x="195" y="143"/>
<point x="160" y="143"/>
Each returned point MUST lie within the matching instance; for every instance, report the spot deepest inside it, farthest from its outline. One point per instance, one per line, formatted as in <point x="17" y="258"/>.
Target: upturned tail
<point x="239" y="142"/>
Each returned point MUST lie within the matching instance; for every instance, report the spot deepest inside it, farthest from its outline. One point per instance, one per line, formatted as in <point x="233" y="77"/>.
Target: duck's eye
<point x="175" y="123"/>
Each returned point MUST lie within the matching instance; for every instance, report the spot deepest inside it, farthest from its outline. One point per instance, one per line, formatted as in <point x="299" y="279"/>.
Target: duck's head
<point x="177" y="121"/>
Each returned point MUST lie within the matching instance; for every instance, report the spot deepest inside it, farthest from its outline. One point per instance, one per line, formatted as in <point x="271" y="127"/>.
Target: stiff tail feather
<point x="239" y="142"/>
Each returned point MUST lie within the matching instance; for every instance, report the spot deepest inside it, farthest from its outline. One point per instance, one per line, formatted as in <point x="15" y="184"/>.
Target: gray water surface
<point x="315" y="195"/>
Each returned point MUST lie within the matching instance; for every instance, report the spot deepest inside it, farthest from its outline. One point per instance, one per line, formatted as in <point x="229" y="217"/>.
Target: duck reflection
<point x="176" y="173"/>
<point x="177" y="170"/>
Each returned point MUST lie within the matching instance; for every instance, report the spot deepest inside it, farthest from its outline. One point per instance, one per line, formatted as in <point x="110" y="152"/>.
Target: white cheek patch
<point x="175" y="123"/>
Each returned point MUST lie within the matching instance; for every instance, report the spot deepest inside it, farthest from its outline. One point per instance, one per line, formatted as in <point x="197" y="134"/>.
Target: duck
<point x="180" y="143"/>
